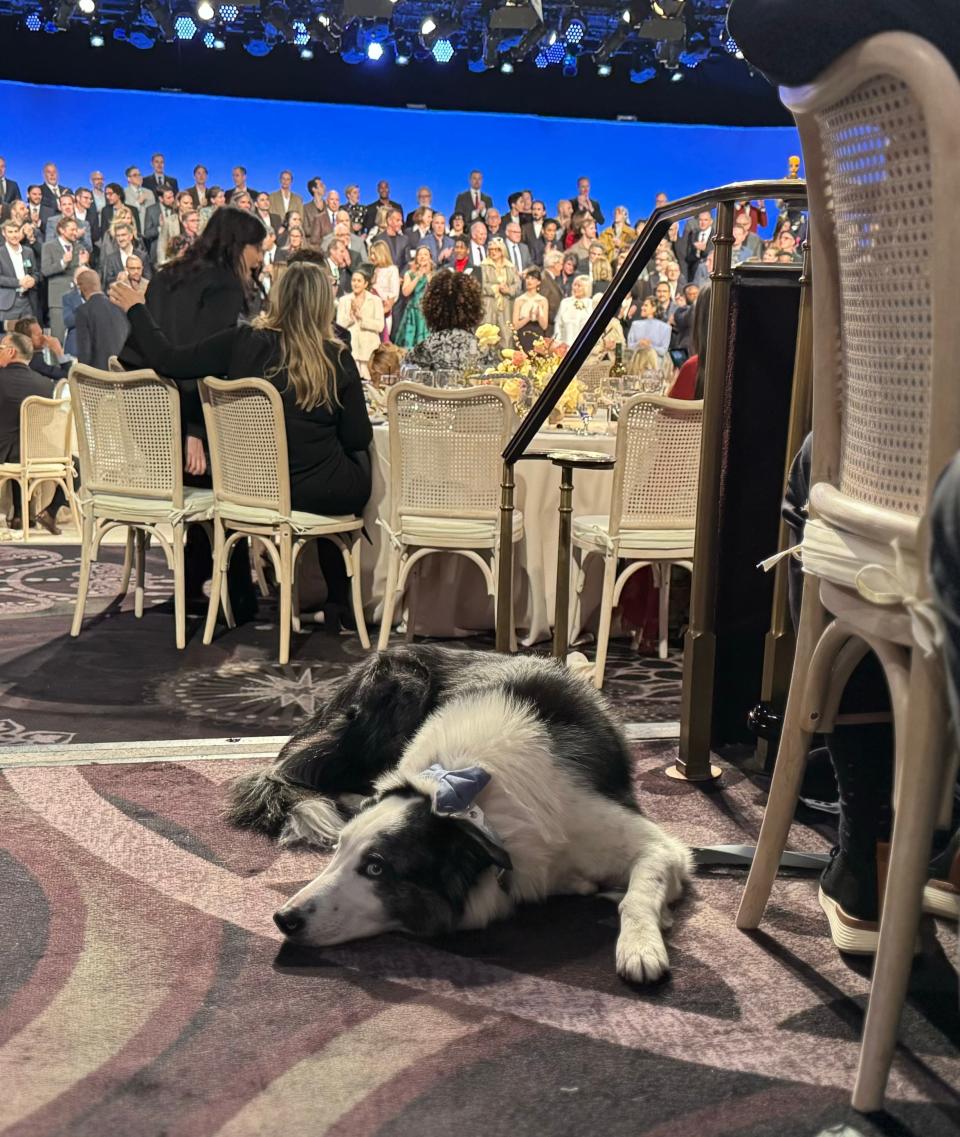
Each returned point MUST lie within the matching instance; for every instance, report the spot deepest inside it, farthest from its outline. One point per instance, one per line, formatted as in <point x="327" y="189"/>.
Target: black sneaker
<point x="849" y="896"/>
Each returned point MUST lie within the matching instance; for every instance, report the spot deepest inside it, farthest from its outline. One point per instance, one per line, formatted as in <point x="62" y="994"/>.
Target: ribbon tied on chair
<point x="891" y="587"/>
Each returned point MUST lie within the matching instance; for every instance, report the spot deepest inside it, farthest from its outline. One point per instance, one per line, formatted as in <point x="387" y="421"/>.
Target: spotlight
<point x="574" y="27"/>
<point x="375" y="51"/>
<point x="87" y="7"/>
<point x="515" y="15"/>
<point x="627" y="16"/>
<point x="676" y="77"/>
<point x="257" y="47"/>
<point x="667" y="9"/>
<point x="185" y="26"/>
<point x="306" y="53"/>
<point x="301" y="37"/>
<point x="159" y="13"/>
<point x="603" y="70"/>
<point x="428" y="27"/>
<point x="277" y="16"/>
<point x="402" y="60"/>
<point x="61" y="19"/>
<point x="506" y="67"/>
<point x="228" y="13"/>
<point x="205" y="11"/>
<point x="96" y="40"/>
<point x="569" y="66"/>
<point x="442" y="51"/>
<point x="33" y="22"/>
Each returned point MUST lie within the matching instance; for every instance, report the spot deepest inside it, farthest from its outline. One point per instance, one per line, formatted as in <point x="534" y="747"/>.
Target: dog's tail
<point x="266" y="802"/>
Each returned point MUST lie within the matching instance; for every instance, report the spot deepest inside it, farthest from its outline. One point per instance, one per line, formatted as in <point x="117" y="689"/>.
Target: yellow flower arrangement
<point x="488" y="335"/>
<point x="527" y="372"/>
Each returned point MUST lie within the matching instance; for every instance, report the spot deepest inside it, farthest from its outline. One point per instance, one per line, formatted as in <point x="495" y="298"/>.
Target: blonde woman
<point x="574" y="311"/>
<point x="602" y="275"/>
<point x="413" y="324"/>
<point x="386" y="280"/>
<point x="108" y="245"/>
<point x="361" y="313"/>
<point x="620" y="235"/>
<point x="500" y="284"/>
<point x="293" y="346"/>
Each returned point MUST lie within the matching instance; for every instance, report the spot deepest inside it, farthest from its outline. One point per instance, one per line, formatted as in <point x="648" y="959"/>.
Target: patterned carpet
<point x="123" y="679"/>
<point x="144" y="992"/>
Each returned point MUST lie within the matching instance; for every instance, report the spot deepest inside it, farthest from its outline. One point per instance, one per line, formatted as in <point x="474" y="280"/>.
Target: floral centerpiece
<point x="525" y="373"/>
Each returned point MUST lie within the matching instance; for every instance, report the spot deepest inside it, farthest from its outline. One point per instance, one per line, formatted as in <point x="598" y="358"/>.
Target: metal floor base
<point x="741" y="856"/>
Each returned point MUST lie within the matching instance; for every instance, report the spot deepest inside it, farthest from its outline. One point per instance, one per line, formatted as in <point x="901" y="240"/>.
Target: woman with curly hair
<point x="452" y="307"/>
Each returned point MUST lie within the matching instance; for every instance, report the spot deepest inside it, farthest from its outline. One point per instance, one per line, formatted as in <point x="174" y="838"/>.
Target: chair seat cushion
<point x="842" y="557"/>
<point x="301" y="521"/>
<point x="593" y="532"/>
<point x="454" y="532"/>
<point x="197" y="505"/>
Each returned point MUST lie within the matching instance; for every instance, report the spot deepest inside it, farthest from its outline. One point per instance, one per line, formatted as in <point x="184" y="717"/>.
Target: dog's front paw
<point x="641" y="956"/>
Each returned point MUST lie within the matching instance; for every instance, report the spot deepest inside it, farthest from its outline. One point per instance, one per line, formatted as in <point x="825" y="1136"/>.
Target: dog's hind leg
<point x="657" y="877"/>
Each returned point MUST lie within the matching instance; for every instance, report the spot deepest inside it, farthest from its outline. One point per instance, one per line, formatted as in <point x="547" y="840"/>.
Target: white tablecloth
<point x="450" y="597"/>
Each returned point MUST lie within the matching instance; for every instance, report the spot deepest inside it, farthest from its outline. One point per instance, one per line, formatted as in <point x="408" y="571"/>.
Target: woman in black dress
<point x="294" y="347"/>
<point x="210" y="288"/>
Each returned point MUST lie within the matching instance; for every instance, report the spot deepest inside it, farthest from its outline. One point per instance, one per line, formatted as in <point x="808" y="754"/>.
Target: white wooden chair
<point x="247" y="436"/>
<point x="131" y="472"/>
<point x="45" y="454"/>
<point x="445" y="470"/>
<point x="881" y="139"/>
<point x="653" y="508"/>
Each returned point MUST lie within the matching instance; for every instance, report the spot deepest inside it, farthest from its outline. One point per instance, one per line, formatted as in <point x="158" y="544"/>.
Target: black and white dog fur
<point x="559" y="799"/>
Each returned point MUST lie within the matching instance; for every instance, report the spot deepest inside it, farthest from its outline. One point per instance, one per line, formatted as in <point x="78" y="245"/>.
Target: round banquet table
<point x="449" y="598"/>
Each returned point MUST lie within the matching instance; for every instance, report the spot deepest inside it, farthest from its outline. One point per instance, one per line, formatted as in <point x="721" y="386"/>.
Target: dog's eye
<point x="373" y="868"/>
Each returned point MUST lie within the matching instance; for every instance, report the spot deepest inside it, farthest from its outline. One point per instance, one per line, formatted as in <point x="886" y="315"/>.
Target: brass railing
<point x="699" y="647"/>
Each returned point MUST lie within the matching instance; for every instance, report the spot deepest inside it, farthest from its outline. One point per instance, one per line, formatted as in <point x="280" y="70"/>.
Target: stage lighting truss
<point x="534" y="35"/>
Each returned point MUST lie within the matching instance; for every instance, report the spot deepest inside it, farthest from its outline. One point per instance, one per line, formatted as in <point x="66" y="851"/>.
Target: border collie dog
<point x="454" y="786"/>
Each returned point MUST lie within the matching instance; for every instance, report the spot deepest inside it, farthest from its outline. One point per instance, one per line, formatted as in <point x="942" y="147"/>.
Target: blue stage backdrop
<point x="628" y="162"/>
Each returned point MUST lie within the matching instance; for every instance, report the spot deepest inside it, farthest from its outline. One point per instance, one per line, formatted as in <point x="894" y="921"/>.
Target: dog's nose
<point x="289" y="922"/>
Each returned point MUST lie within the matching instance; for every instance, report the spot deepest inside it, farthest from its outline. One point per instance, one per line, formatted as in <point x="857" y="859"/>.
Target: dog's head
<point x="398" y="866"/>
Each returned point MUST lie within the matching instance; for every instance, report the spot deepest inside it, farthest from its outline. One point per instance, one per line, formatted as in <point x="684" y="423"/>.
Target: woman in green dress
<point x="413" y="325"/>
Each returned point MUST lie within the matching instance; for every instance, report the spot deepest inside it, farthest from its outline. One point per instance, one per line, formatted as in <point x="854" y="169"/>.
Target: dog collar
<point x="453" y="796"/>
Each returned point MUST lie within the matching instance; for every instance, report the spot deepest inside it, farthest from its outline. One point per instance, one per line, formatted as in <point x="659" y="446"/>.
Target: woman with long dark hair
<point x="294" y="347"/>
<point x="689" y="381"/>
<point x="207" y="290"/>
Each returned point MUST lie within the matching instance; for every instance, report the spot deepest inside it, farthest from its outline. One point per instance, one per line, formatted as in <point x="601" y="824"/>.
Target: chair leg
<point x="127" y="562"/>
<point x="925" y="726"/>
<point x="413" y="601"/>
<point x="606" y="617"/>
<point x="664" y="619"/>
<point x="352" y="558"/>
<point x="141" y="561"/>
<point x="389" y="599"/>
<point x="791" y="763"/>
<point x="217" y="578"/>
<point x="294" y="595"/>
<point x="225" y="603"/>
<point x="258" y="572"/>
<point x="25" y="508"/>
<point x="286" y="591"/>
<point x="86" y="551"/>
<point x="71" y="500"/>
<point x="179" y="585"/>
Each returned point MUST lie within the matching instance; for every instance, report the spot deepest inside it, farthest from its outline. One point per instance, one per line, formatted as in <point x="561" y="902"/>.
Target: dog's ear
<point x="495" y="854"/>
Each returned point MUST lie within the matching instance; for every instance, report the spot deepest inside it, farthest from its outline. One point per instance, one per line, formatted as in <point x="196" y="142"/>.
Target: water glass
<point x="447" y="377"/>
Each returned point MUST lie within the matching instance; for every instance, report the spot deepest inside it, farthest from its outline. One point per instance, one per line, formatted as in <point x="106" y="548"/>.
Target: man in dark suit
<point x="239" y="174"/>
<point x="18" y="382"/>
<point x="68" y="208"/>
<point x="155" y="217"/>
<point x="198" y="191"/>
<point x="532" y="232"/>
<point x="18" y="275"/>
<point x="478" y="244"/>
<point x="114" y="195"/>
<point x="696" y="243"/>
<point x="383" y="200"/>
<point x="30" y="328"/>
<point x="9" y="190"/>
<point x="551" y="287"/>
<point x="395" y="239"/>
<point x="35" y="211"/>
<point x="102" y="328"/>
<point x="116" y="262"/>
<point x="159" y="179"/>
<point x="86" y="214"/>
<point x="338" y="265"/>
<point x="473" y="203"/>
<point x="51" y="190"/>
<point x="424" y="201"/>
<point x="584" y="203"/>
<point x="517" y="253"/>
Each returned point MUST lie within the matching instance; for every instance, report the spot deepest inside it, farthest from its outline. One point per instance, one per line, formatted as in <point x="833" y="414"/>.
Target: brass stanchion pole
<point x="561" y="627"/>
<point x="779" y="642"/>
<point x="699" y="649"/>
<point x="504" y="614"/>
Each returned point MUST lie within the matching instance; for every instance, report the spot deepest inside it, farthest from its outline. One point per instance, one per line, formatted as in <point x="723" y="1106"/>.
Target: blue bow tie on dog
<point x="453" y="797"/>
